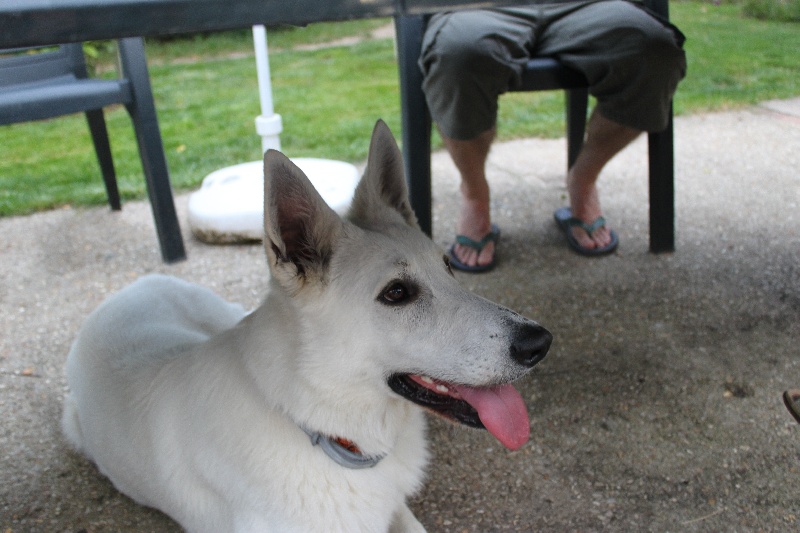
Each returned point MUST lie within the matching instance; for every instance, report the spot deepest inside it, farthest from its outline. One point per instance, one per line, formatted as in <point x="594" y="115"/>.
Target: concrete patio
<point x="658" y="409"/>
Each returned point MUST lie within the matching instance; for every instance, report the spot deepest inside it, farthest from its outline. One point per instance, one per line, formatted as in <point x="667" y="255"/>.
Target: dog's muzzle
<point x="497" y="407"/>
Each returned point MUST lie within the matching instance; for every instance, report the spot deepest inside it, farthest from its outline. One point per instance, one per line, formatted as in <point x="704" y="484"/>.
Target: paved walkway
<point x="658" y="408"/>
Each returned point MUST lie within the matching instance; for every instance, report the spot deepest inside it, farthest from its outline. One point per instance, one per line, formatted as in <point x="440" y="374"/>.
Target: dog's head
<point x="378" y="293"/>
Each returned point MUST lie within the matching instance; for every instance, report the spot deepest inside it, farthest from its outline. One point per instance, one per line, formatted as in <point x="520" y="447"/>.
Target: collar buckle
<point x="339" y="452"/>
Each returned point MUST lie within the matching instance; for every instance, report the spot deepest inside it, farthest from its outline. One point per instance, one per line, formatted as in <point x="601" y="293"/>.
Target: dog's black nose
<point x="531" y="345"/>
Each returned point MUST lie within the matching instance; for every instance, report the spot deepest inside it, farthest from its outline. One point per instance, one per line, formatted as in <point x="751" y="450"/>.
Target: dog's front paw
<point x="404" y="521"/>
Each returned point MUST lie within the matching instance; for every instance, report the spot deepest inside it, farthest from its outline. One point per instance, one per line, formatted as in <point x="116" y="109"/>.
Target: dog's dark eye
<point x="396" y="293"/>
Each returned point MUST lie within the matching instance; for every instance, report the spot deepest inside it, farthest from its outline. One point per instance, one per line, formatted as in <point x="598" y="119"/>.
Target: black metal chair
<point x="48" y="83"/>
<point x="541" y="74"/>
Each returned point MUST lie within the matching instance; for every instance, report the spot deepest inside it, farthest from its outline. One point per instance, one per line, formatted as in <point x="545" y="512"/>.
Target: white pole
<point x="268" y="124"/>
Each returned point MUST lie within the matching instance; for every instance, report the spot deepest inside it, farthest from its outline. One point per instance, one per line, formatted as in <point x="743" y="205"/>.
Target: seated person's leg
<point x="632" y="60"/>
<point x="633" y="63"/>
<point x="469" y="58"/>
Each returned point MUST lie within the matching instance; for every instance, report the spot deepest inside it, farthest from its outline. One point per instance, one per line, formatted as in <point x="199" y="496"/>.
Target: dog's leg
<point x="404" y="521"/>
<point x="71" y="425"/>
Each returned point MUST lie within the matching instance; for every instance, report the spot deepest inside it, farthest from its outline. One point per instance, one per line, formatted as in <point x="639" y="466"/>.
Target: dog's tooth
<point x="442" y="388"/>
<point x="426" y="379"/>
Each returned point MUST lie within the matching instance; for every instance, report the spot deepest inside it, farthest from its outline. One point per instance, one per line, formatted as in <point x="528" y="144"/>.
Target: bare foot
<point x="475" y="223"/>
<point x="585" y="203"/>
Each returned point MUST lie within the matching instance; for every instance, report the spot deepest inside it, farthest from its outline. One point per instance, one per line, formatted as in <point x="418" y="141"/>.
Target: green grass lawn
<point x="207" y="98"/>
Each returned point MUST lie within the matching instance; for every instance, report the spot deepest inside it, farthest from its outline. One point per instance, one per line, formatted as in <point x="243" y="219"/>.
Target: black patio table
<point x="39" y="22"/>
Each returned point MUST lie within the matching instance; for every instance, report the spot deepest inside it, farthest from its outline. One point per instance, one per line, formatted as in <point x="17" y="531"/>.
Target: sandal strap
<point x="477" y="245"/>
<point x="588" y="228"/>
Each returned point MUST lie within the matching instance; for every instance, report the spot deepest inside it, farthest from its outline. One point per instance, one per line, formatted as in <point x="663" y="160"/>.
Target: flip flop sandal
<point x="566" y="222"/>
<point x="463" y="240"/>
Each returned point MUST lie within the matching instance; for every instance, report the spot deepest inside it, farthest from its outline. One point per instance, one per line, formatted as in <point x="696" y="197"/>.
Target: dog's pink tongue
<point x="502" y="410"/>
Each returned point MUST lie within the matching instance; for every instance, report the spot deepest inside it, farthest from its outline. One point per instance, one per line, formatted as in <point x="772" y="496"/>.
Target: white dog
<point x="304" y="415"/>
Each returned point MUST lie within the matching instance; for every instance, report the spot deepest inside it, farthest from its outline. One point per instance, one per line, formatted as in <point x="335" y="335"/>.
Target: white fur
<point x="192" y="406"/>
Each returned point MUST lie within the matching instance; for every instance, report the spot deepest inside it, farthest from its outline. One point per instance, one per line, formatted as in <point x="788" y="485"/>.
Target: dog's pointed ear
<point x="383" y="183"/>
<point x="300" y="229"/>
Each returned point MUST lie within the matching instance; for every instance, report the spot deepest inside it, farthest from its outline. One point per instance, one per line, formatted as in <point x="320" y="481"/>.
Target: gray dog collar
<point x="343" y="452"/>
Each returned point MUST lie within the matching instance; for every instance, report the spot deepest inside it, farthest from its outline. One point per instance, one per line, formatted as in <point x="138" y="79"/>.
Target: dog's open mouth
<point x="500" y="408"/>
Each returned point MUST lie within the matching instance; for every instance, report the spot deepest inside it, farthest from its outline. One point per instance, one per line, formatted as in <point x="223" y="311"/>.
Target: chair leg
<point x="97" y="127"/>
<point x="151" y="149"/>
<point x="662" y="173"/>
<point x="662" y="190"/>
<point x="577" y="104"/>
<point x="416" y="120"/>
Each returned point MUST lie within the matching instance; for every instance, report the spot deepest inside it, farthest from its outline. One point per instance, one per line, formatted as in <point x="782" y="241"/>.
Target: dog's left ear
<point x="383" y="183"/>
<point x="300" y="229"/>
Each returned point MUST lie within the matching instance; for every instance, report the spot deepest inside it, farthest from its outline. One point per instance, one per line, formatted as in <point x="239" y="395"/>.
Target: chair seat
<point x="59" y="96"/>
<point x="547" y="74"/>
